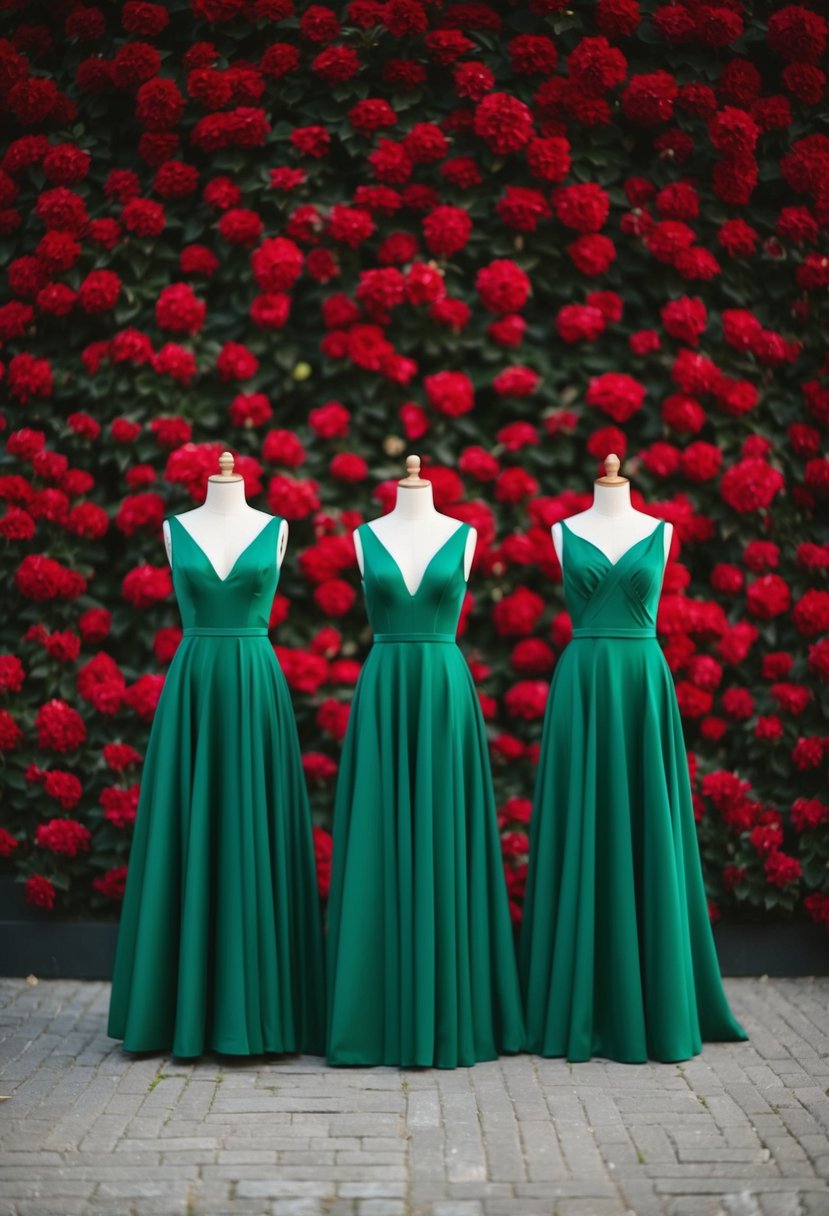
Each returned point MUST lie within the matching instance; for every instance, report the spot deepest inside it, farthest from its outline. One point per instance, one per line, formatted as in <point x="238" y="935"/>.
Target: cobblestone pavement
<point x="738" y="1131"/>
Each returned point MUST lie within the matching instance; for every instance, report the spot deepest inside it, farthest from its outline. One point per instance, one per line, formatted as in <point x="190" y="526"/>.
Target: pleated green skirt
<point x="220" y="942"/>
<point x="421" y="957"/>
<point x="617" y="953"/>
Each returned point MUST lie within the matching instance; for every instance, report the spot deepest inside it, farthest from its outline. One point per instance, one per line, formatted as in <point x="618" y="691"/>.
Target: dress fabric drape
<point x="220" y="943"/>
<point x="421" y="957"/>
<point x="617" y="955"/>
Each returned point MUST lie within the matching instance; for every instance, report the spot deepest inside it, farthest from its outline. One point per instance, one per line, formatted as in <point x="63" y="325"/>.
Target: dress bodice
<point x="613" y="599"/>
<point x="243" y="599"/>
<point x="435" y="607"/>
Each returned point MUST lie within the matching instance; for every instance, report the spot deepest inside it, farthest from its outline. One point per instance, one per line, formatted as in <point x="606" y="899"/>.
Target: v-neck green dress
<point x="421" y="956"/>
<point x="220" y="943"/>
<point x="617" y="954"/>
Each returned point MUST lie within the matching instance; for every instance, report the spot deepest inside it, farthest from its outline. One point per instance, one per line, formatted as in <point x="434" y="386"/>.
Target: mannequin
<point x="224" y="525"/>
<point x="413" y="531"/>
<point x="611" y="525"/>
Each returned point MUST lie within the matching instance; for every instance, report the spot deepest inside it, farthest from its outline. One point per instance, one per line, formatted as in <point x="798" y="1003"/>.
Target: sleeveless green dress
<point x="421" y="956"/>
<point x="617" y="955"/>
<point x="220" y="943"/>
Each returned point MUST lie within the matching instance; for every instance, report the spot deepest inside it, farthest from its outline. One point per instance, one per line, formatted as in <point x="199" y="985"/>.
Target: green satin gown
<point x="220" y="943"/>
<point x="617" y="956"/>
<point x="421" y="957"/>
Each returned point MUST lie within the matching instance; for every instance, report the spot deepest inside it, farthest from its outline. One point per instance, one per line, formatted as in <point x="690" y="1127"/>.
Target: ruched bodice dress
<point x="617" y="954"/>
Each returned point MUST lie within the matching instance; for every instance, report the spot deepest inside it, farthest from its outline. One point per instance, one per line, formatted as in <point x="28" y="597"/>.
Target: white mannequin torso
<point x="412" y="532"/>
<point x="224" y="526"/>
<point x="611" y="524"/>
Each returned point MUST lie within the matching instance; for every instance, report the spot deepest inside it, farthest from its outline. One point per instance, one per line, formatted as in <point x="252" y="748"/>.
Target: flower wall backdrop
<point x="511" y="238"/>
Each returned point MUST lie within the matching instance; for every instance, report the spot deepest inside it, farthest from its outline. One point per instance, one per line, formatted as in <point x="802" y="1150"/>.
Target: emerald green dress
<point x="220" y="942"/>
<point x="617" y="955"/>
<point x="421" y="957"/>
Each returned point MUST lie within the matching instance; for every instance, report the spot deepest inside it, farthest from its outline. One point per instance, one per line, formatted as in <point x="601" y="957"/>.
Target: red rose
<point x="95" y="624"/>
<point x="808" y="753"/>
<point x="514" y="485"/>
<point x="65" y="836"/>
<point x="750" y="485"/>
<point x="616" y="394"/>
<point x="782" y="870"/>
<point x="142" y="696"/>
<point x="334" y="597"/>
<point x="809" y="813"/>
<point x="503" y="122"/>
<point x="349" y="467"/>
<point x="10" y="733"/>
<point x="178" y="309"/>
<point x="332" y="717"/>
<point x="146" y="585"/>
<point x="65" y="788"/>
<point x="583" y="207"/>
<point x="59" y="727"/>
<point x="768" y="596"/>
<point x="112" y="884"/>
<point x="517" y="614"/>
<point x="450" y="392"/>
<point x="579" y="322"/>
<point x="283" y="447"/>
<point x="685" y="319"/>
<point x="811" y="612"/>
<point x="40" y="892"/>
<point x="119" y="804"/>
<point x="120" y="756"/>
<point x="502" y="286"/>
<point x="649" y="99"/>
<point x="42" y="578"/>
<point x="101" y="683"/>
<point x="797" y="34"/>
<point x="819" y="659"/>
<point x="527" y="699"/>
<point x="447" y="230"/>
<point x="292" y="497"/>
<point x="12" y="673"/>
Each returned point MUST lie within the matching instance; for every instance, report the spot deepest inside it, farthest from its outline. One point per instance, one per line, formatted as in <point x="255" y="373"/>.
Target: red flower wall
<point x="511" y="238"/>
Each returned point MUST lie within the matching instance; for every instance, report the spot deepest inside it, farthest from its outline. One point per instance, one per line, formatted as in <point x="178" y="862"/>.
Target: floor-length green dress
<point x="220" y="943"/>
<point x="617" y="954"/>
<point x="421" y="957"/>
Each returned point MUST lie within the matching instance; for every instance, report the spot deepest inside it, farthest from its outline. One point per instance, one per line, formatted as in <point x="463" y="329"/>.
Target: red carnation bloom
<point x="451" y="393"/>
<point x="59" y="727"/>
<point x="811" y="612"/>
<point x="649" y="99"/>
<point x="527" y="699"/>
<point x="101" y="682"/>
<point x="685" y="319"/>
<point x="330" y="421"/>
<point x="65" y="788"/>
<point x="592" y="254"/>
<point x="120" y="804"/>
<point x="42" y="578"/>
<point x="178" y="309"/>
<point x="768" y="596"/>
<point x="782" y="870"/>
<point x="146" y="585"/>
<point x="798" y="34"/>
<point x="583" y="207"/>
<point x="10" y="733"/>
<point x="518" y="614"/>
<point x="750" y="485"/>
<point x="292" y="498"/>
<point x="40" y="892"/>
<point x="503" y="122"/>
<point x="112" y="884"/>
<point x="616" y="394"/>
<point x="502" y="286"/>
<point x="65" y="836"/>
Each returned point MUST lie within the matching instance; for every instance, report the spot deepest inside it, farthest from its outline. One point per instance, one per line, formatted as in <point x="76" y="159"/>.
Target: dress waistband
<point x="215" y="631"/>
<point x="414" y="637"/>
<point x="614" y="631"/>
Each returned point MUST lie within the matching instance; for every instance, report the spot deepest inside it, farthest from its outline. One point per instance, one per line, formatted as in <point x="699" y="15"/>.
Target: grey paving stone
<point x="741" y="1130"/>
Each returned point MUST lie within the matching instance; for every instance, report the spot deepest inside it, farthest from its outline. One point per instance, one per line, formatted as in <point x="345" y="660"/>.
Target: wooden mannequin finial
<point x="413" y="479"/>
<point x="611" y="477"/>
<point x="226" y="463"/>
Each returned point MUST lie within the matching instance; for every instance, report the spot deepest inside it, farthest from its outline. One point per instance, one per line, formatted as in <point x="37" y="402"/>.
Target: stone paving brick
<point x="90" y="1131"/>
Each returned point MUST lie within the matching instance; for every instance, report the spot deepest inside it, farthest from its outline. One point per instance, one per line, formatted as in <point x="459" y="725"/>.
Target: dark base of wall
<point x="34" y="943"/>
